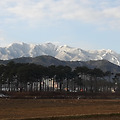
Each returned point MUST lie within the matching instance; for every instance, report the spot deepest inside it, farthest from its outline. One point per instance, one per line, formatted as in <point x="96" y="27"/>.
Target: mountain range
<point x="46" y="60"/>
<point x="64" y="53"/>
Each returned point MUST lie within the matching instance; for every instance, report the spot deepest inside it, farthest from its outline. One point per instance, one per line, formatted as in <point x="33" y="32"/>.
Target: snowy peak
<point x="66" y="53"/>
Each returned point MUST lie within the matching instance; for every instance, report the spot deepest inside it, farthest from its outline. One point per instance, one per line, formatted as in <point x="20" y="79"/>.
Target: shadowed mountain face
<point x="49" y="60"/>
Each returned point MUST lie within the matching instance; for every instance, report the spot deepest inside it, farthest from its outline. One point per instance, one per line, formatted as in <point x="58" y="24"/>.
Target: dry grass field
<point x="45" y="108"/>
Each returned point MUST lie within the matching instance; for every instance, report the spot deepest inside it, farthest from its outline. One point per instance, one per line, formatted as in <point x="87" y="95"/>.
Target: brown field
<point x="45" y="108"/>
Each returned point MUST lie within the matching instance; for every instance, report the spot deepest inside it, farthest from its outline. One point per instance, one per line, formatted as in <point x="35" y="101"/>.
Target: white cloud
<point x="99" y="12"/>
<point x="3" y="41"/>
<point x="2" y="38"/>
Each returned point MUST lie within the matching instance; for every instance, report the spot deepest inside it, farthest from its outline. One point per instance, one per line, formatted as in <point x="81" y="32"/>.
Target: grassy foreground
<point x="59" y="109"/>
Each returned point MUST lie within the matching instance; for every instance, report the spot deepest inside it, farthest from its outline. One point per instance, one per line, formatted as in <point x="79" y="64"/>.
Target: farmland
<point x="63" y="109"/>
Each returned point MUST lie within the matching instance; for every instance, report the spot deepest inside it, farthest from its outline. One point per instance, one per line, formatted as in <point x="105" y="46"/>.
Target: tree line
<point x="32" y="77"/>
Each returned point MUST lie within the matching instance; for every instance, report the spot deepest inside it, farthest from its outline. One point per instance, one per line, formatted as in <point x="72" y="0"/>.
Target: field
<point x="59" y="109"/>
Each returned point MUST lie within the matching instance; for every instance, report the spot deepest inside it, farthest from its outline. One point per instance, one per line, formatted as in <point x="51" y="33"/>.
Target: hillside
<point x="49" y="60"/>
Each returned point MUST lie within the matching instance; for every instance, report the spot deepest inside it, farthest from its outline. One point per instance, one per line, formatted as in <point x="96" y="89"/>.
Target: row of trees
<point x="31" y="77"/>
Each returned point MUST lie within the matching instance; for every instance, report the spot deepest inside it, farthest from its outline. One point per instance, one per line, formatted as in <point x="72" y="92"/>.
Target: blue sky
<point x="86" y="24"/>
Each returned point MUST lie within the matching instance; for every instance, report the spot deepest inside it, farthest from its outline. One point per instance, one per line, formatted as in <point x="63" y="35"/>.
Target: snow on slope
<point x="65" y="52"/>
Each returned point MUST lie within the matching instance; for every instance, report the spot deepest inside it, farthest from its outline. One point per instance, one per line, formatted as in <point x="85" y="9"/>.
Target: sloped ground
<point x="43" y="108"/>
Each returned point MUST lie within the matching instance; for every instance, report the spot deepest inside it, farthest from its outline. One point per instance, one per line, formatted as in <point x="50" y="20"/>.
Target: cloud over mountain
<point x="98" y="12"/>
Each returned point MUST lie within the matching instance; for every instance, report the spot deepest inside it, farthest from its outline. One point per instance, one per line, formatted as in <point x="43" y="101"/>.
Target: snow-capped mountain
<point x="17" y="50"/>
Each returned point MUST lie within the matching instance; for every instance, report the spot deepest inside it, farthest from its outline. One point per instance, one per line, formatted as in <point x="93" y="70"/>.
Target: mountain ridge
<point x="46" y="60"/>
<point x="65" y="53"/>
